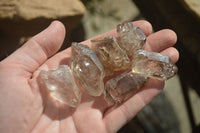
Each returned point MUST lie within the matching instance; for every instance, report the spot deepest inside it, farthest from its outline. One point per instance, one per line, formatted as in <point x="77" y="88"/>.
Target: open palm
<point x="25" y="107"/>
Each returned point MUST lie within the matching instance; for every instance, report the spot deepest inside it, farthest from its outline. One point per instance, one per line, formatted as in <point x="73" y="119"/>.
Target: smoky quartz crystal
<point x="87" y="69"/>
<point x="116" y="67"/>
<point x="61" y="85"/>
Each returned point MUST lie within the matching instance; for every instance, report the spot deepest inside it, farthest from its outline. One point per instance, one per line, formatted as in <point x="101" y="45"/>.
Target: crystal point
<point x="111" y="56"/>
<point x="87" y="68"/>
<point x="61" y="85"/>
<point x="123" y="86"/>
<point x="154" y="65"/>
<point x="131" y="38"/>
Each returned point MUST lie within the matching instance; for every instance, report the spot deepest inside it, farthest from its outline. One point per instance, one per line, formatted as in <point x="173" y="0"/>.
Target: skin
<point x="25" y="106"/>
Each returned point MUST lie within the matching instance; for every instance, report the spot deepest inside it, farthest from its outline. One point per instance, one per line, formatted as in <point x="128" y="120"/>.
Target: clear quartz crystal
<point x="112" y="57"/>
<point x="153" y="65"/>
<point x="61" y="85"/>
<point x="87" y="68"/>
<point x="131" y="38"/>
<point x="123" y="86"/>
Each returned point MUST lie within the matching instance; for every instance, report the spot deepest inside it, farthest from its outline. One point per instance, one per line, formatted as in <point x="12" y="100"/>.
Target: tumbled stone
<point x="154" y="65"/>
<point x="61" y="85"/>
<point x="112" y="57"/>
<point x="87" y="68"/>
<point x="123" y="86"/>
<point x="131" y="38"/>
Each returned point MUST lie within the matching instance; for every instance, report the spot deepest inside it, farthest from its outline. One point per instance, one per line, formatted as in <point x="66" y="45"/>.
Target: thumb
<point x="38" y="49"/>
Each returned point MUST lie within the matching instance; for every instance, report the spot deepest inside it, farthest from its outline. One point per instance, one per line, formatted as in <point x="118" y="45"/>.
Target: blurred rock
<point x="24" y="17"/>
<point x="193" y="6"/>
<point x="157" y="117"/>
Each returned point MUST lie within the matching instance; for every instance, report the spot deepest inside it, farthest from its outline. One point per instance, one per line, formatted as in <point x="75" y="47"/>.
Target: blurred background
<point x="177" y="108"/>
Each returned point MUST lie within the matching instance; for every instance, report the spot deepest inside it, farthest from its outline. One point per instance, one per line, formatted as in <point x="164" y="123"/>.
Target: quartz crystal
<point x="120" y="63"/>
<point x="153" y="65"/>
<point x="87" y="68"/>
<point x="123" y="86"/>
<point x="112" y="57"/>
<point x="61" y="85"/>
<point x="131" y="38"/>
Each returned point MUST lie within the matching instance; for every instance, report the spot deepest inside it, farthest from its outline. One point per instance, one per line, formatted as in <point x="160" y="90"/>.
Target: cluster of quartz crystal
<point x="115" y="67"/>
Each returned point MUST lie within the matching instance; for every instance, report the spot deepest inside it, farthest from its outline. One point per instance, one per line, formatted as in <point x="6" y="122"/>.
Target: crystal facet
<point x="154" y="65"/>
<point x="131" y="38"/>
<point x="61" y="85"/>
<point x="112" y="57"/>
<point x="123" y="86"/>
<point x="87" y="68"/>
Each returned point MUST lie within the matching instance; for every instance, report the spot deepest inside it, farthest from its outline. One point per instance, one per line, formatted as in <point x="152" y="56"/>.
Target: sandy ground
<point x="126" y="10"/>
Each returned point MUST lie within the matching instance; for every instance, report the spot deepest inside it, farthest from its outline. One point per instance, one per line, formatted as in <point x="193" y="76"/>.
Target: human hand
<point x="25" y="106"/>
